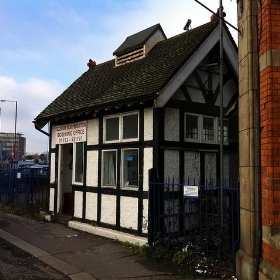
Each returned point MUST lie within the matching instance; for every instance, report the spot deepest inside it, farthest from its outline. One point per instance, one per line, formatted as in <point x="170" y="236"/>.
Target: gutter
<point x="41" y="130"/>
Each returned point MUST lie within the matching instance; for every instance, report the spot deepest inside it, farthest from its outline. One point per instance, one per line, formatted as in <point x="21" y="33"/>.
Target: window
<point x="208" y="129"/>
<point x="130" y="168"/>
<point x="130" y="126"/>
<point x="112" y="129"/>
<point x="225" y="124"/>
<point x="109" y="170"/>
<point x="78" y="163"/>
<point x="122" y="127"/>
<point x="191" y="126"/>
<point x="200" y="128"/>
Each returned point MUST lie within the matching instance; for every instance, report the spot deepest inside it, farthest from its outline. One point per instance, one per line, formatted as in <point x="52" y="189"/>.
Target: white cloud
<point x="32" y="97"/>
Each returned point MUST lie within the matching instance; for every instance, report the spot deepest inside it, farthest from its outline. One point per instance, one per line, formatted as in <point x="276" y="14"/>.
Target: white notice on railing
<point x="191" y="191"/>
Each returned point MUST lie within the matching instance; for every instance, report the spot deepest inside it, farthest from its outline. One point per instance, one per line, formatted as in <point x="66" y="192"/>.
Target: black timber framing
<point x="158" y="136"/>
<point x="118" y="192"/>
<point x="56" y="178"/>
<point x="84" y="180"/>
<point x="141" y="163"/>
<point x="101" y="131"/>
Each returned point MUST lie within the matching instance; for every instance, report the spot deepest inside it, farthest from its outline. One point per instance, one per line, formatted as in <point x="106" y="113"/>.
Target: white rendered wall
<point x="53" y="139"/>
<point x="148" y="124"/>
<point x="78" y="205"/>
<point x="171" y="124"/>
<point x="145" y="216"/>
<point x="129" y="212"/>
<point x="210" y="168"/>
<point x="171" y="164"/>
<point x="108" y="209"/>
<point x="93" y="132"/>
<point x="52" y="168"/>
<point x="148" y="164"/>
<point x="226" y="169"/>
<point x="192" y="168"/>
<point x="51" y="203"/>
<point x="91" y="206"/>
<point x="92" y="168"/>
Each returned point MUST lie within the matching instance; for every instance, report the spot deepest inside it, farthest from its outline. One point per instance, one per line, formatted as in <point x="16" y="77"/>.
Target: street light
<point x="15" y="139"/>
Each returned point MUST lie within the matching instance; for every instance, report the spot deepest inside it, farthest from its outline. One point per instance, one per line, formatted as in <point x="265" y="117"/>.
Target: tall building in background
<point x="7" y="141"/>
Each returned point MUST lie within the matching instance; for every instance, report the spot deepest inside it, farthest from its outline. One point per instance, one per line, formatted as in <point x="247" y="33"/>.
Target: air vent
<point x="131" y="56"/>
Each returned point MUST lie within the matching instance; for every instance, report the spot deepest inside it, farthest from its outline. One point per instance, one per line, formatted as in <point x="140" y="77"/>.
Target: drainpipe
<point x="221" y="112"/>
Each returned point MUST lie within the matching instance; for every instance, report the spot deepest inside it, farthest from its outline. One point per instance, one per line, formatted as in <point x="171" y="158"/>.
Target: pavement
<point x="80" y="255"/>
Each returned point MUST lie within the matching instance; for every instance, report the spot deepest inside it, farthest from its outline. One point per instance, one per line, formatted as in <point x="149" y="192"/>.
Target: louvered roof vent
<point x="138" y="45"/>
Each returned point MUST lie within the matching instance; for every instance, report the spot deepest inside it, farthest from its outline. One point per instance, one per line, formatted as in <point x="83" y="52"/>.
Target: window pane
<point x="208" y="128"/>
<point x="225" y="124"/>
<point x="79" y="162"/>
<point x="191" y="127"/>
<point x="112" y="129"/>
<point x="109" y="168"/>
<point x="130" y="126"/>
<point x="130" y="168"/>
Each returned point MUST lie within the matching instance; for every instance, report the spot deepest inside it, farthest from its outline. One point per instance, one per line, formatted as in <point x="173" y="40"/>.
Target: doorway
<point x="64" y="194"/>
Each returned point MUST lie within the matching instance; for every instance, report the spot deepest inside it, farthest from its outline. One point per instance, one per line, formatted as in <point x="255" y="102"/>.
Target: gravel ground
<point x="17" y="264"/>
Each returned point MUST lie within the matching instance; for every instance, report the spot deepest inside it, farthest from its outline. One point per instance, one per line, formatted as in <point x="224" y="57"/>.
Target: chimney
<point x="91" y="64"/>
<point x="214" y="16"/>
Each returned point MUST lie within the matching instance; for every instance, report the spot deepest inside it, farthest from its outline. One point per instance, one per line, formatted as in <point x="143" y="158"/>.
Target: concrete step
<point x="63" y="218"/>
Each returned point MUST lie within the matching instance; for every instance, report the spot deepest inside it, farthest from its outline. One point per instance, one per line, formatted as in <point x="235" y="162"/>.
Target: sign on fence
<point x="191" y="191"/>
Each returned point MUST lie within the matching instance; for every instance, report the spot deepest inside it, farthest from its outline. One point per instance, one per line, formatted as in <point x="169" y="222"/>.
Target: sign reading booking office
<point x="71" y="133"/>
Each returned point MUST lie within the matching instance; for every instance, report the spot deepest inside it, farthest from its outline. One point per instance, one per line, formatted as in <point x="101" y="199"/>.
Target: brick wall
<point x="269" y="53"/>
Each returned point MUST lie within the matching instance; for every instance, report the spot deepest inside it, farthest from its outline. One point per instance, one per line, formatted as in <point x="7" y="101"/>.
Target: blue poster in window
<point x="128" y="158"/>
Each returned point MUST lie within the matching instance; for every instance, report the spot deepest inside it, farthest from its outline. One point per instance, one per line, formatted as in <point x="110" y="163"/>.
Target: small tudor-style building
<point x="156" y="105"/>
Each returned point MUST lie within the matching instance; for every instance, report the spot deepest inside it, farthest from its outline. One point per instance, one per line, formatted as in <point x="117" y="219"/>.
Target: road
<point x="16" y="264"/>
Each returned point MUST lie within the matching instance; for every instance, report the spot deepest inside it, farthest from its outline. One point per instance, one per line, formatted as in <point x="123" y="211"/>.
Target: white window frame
<point x="102" y="172"/>
<point x="200" y="129"/>
<point x="120" y="116"/>
<point x="74" y="164"/>
<point x="105" y="128"/>
<point x="123" y="186"/>
<point x="122" y="126"/>
<point x="215" y="129"/>
<point x="218" y="124"/>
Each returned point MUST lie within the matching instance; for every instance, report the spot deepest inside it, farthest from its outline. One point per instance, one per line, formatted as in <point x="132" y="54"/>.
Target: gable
<point x="193" y="63"/>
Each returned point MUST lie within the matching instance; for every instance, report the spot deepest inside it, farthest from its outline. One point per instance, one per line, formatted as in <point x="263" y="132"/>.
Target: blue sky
<point x="46" y="44"/>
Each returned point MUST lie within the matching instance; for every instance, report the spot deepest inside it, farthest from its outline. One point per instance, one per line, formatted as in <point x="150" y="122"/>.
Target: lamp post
<point x="14" y="148"/>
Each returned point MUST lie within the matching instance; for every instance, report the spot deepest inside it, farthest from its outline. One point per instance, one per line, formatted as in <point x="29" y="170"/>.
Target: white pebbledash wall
<point x="128" y="205"/>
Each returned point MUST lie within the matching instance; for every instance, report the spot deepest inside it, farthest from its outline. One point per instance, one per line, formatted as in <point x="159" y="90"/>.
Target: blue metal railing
<point x="208" y="222"/>
<point x="26" y="187"/>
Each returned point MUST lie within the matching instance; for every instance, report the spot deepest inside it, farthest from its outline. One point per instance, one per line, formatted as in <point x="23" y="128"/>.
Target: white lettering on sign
<point x="71" y="133"/>
<point x="191" y="191"/>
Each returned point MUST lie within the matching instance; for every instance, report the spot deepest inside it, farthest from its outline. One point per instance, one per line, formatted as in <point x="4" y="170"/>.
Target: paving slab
<point x="78" y="254"/>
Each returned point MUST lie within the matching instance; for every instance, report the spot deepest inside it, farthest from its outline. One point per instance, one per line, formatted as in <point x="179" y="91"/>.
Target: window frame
<point x="102" y="169"/>
<point x="227" y="137"/>
<point x="200" y="138"/>
<point x="121" y="127"/>
<point x="123" y="186"/>
<point x="198" y="128"/>
<point x="105" y="129"/>
<point x="75" y="162"/>
<point x="214" y="129"/>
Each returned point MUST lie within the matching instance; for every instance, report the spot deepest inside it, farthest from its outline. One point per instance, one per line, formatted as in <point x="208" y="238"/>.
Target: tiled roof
<point x="137" y="40"/>
<point x="106" y="84"/>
